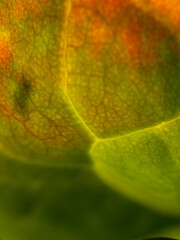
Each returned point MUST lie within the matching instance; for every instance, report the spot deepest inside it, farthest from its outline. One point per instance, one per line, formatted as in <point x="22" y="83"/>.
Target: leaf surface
<point x="37" y="120"/>
<point x="69" y="203"/>
<point x="77" y="73"/>
<point x="123" y="78"/>
<point x="123" y="67"/>
<point x="144" y="165"/>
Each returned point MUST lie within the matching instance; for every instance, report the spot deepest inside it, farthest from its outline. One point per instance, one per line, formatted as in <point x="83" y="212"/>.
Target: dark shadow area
<point x="68" y="203"/>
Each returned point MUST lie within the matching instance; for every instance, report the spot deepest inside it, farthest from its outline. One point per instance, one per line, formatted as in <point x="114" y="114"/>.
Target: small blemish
<point x="22" y="95"/>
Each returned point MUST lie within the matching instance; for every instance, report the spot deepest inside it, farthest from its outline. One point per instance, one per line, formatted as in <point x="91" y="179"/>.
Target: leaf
<point x="123" y="79"/>
<point x="37" y="121"/>
<point x="69" y="203"/>
<point x="123" y="67"/>
<point x="144" y="165"/>
<point x="161" y="238"/>
<point x="79" y="72"/>
<point x="160" y="9"/>
<point x="171" y="232"/>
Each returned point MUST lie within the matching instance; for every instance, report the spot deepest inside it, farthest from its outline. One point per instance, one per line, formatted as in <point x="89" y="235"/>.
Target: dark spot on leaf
<point x="22" y="95"/>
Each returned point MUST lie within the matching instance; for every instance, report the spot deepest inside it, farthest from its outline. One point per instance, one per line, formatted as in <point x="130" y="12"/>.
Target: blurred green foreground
<point x="69" y="203"/>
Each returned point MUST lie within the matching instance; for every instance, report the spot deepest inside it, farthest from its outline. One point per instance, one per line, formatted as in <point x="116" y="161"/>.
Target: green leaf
<point x="144" y="165"/>
<point x="171" y="232"/>
<point x="69" y="203"/>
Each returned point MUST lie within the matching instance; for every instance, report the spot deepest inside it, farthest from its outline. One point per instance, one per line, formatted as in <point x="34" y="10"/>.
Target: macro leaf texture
<point x="89" y="119"/>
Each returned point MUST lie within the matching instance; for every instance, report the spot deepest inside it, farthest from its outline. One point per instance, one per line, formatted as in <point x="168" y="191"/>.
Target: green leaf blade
<point x="144" y="165"/>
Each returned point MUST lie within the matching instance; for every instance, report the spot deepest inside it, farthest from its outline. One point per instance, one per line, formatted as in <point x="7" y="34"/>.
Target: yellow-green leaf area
<point x="144" y="165"/>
